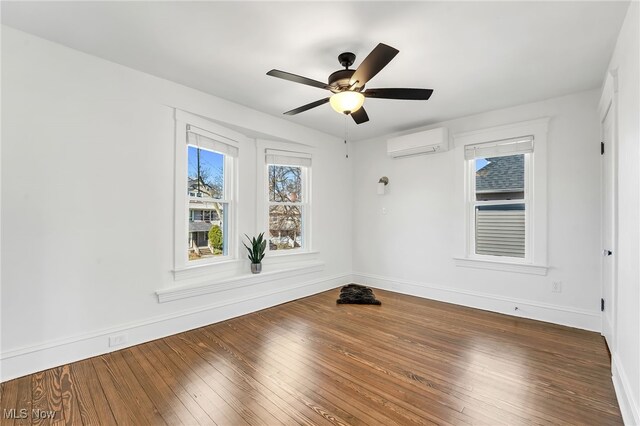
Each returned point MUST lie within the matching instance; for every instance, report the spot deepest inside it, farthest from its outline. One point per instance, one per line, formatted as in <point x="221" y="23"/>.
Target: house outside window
<point x="288" y="200"/>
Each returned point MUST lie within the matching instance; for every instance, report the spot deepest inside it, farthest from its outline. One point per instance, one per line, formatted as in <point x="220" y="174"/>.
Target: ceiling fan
<point x="348" y="85"/>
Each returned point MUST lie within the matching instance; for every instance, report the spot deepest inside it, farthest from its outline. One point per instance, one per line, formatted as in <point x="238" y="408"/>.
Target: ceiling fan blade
<point x="307" y="107"/>
<point x="297" y="79"/>
<point x="372" y="64"/>
<point x="410" y="94"/>
<point x="360" y="116"/>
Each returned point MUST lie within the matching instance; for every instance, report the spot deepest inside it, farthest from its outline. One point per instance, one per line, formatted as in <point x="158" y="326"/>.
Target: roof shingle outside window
<point x="501" y="174"/>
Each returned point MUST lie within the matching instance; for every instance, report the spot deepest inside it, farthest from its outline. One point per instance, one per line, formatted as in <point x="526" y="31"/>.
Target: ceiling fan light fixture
<point x="346" y="102"/>
<point x="346" y="85"/>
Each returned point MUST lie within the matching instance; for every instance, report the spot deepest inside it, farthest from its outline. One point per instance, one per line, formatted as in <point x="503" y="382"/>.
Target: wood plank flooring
<point x="409" y="361"/>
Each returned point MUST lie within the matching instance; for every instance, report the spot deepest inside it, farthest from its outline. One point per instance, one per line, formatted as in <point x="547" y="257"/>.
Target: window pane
<point x="285" y="184"/>
<point x="207" y="235"/>
<point x="206" y="173"/>
<point x="500" y="230"/>
<point x="285" y="227"/>
<point x="500" y="178"/>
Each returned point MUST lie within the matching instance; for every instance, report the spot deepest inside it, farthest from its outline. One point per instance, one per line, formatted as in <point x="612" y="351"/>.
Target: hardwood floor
<point x="409" y="361"/>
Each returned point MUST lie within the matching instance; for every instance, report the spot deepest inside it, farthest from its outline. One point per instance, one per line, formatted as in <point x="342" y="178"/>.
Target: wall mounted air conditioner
<point x="427" y="142"/>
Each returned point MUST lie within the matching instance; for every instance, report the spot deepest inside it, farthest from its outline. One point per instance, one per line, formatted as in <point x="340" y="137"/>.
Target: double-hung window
<point x="499" y="198"/>
<point x="209" y="186"/>
<point x="288" y="200"/>
<point x="505" y="186"/>
<point x="206" y="157"/>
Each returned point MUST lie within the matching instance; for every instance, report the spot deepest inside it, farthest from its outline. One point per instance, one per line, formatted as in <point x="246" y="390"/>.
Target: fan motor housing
<point x="340" y="80"/>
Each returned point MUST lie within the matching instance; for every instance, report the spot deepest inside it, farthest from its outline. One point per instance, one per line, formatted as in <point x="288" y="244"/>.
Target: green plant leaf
<point x="257" y="249"/>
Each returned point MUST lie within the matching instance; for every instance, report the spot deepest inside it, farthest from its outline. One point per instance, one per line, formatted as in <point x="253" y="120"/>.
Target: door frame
<point x="608" y="107"/>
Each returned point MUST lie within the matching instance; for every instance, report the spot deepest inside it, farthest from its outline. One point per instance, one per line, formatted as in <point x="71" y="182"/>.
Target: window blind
<point x="287" y="158"/>
<point x="210" y="141"/>
<point x="501" y="148"/>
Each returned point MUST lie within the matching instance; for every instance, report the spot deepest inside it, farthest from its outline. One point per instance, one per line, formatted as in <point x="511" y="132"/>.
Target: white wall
<point x="626" y="351"/>
<point x="424" y="225"/>
<point x="87" y="211"/>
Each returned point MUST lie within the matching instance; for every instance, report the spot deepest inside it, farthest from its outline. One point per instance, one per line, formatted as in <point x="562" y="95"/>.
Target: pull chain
<point x="346" y="146"/>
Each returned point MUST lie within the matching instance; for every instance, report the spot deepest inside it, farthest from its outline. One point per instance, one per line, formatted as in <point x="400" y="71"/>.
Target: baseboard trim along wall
<point x="626" y="400"/>
<point x="26" y="360"/>
<point x="571" y="317"/>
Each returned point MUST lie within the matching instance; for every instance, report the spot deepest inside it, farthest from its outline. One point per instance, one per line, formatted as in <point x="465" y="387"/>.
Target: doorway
<point x="609" y="203"/>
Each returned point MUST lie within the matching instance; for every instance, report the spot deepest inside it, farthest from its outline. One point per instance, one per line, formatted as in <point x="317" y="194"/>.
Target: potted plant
<point x="256" y="251"/>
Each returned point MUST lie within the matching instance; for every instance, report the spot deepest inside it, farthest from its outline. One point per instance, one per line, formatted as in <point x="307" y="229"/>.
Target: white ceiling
<point x="477" y="56"/>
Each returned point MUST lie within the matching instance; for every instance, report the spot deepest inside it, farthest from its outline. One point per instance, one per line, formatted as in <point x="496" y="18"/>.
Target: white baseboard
<point x="562" y="315"/>
<point x="26" y="360"/>
<point x="626" y="400"/>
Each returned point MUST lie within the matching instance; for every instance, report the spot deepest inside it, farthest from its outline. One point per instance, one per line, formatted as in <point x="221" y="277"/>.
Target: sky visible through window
<point x="211" y="165"/>
<point x="480" y="163"/>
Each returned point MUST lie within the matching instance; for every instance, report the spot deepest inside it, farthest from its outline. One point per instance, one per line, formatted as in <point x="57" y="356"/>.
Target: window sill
<point x="522" y="268"/>
<point x="238" y="281"/>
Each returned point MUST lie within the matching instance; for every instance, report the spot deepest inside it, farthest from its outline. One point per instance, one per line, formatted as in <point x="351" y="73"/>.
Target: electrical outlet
<point x="556" y="287"/>
<point x="384" y="210"/>
<point x="117" y="339"/>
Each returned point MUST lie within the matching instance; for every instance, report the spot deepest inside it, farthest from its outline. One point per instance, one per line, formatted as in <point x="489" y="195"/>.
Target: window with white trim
<point x="288" y="200"/>
<point x="205" y="192"/>
<point x="499" y="199"/>
<point x="209" y="186"/>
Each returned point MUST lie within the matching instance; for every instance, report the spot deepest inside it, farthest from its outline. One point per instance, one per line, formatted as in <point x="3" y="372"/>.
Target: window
<point x="208" y="187"/>
<point x="499" y="200"/>
<point x="505" y="186"/>
<point x="205" y="170"/>
<point x="287" y="200"/>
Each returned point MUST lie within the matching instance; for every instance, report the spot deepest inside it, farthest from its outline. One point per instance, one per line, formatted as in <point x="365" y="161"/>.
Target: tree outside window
<point x="286" y="207"/>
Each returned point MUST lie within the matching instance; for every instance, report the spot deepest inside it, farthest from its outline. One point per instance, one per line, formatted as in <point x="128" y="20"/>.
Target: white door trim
<point x="607" y="108"/>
